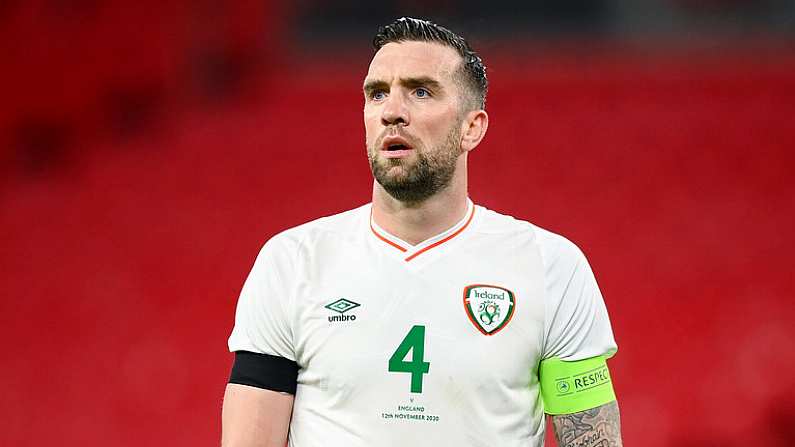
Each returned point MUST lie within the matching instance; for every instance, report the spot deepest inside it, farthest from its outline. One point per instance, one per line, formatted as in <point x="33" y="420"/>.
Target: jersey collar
<point x="409" y="251"/>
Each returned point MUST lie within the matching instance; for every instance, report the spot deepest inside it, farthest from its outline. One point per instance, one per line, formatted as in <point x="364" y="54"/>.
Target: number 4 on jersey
<point x="415" y="342"/>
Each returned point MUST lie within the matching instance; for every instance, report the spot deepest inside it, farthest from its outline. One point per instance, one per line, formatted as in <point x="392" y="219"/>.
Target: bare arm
<point x="253" y="417"/>
<point x="597" y="427"/>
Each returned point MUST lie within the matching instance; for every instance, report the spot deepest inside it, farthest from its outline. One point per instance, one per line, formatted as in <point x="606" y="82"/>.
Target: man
<point x="420" y="319"/>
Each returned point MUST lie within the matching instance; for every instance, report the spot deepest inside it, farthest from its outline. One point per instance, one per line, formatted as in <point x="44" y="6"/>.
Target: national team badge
<point x="489" y="308"/>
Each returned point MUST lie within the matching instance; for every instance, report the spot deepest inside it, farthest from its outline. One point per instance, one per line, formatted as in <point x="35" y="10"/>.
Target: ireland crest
<point x="489" y="308"/>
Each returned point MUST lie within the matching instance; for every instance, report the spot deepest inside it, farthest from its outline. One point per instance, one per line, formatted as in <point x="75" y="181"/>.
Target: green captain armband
<point x="571" y="387"/>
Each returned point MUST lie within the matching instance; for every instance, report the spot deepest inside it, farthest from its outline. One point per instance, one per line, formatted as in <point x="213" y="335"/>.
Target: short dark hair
<point x="472" y="71"/>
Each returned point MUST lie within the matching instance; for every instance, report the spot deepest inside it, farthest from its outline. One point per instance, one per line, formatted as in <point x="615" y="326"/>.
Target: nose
<point x="395" y="111"/>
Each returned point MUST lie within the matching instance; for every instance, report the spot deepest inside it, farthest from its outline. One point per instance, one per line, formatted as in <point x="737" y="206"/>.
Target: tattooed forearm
<point x="597" y="427"/>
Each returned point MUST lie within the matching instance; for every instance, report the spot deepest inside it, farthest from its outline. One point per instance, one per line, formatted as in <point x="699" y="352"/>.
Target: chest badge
<point x="489" y="308"/>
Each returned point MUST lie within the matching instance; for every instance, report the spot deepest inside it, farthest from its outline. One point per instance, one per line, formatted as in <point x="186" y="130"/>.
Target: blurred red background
<point x="147" y="156"/>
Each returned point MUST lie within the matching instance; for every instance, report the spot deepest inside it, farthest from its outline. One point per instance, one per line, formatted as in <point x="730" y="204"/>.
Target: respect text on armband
<point x="583" y="382"/>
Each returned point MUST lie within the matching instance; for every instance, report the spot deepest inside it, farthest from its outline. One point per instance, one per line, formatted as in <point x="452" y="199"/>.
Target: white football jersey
<point x="426" y="345"/>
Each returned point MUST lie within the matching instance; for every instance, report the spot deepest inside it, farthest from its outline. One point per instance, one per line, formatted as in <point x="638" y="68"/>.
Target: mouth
<point x="395" y="146"/>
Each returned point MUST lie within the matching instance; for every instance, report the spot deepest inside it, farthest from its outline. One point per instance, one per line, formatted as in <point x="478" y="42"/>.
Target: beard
<point x="414" y="181"/>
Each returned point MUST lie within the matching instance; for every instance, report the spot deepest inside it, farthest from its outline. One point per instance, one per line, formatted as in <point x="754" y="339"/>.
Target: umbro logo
<point x="341" y="306"/>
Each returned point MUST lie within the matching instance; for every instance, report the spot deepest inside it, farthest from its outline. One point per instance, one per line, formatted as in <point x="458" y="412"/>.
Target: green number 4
<point x="415" y="342"/>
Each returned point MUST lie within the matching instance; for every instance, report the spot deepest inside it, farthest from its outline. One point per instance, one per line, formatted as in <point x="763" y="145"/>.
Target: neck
<point x="416" y="222"/>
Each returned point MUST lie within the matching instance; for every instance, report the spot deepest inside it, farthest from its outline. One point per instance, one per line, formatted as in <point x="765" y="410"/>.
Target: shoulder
<point x="553" y="248"/>
<point x="345" y="225"/>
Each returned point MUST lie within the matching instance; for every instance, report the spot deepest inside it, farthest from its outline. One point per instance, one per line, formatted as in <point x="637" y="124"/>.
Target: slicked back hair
<point x="472" y="71"/>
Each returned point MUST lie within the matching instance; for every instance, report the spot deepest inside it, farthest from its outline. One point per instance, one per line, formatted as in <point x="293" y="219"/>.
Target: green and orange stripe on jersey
<point x="424" y="249"/>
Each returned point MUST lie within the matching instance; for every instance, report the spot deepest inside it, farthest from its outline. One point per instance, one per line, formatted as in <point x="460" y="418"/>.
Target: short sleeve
<point x="577" y="325"/>
<point x="264" y="308"/>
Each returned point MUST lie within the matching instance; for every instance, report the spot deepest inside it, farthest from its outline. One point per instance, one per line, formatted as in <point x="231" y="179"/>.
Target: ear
<point x="473" y="129"/>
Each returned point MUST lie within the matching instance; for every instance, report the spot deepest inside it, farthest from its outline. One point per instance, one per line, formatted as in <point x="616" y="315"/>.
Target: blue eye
<point x="422" y="93"/>
<point x="378" y="95"/>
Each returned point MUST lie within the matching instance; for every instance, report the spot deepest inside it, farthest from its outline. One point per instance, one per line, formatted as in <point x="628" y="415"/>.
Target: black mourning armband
<point x="264" y="371"/>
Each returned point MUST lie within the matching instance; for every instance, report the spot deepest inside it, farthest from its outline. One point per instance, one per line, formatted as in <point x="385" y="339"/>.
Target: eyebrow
<point x="422" y="81"/>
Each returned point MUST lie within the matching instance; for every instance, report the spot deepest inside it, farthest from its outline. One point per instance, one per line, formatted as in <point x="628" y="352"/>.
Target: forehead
<point x="414" y="59"/>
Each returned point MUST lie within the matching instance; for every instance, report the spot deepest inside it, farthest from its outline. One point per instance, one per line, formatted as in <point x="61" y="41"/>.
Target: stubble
<point x="414" y="181"/>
